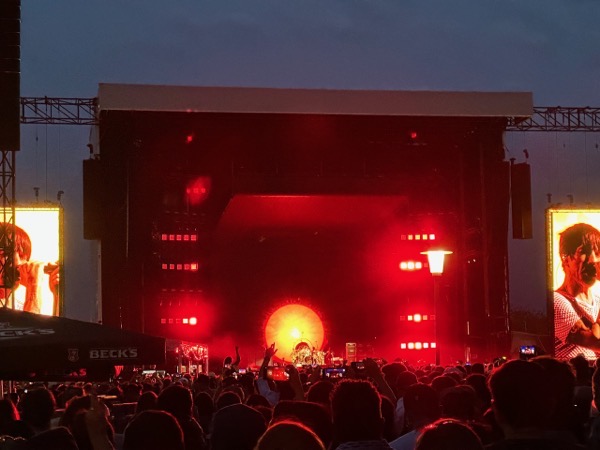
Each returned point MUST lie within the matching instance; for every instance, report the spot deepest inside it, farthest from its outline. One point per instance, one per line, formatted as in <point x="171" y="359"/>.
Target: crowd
<point x="540" y="403"/>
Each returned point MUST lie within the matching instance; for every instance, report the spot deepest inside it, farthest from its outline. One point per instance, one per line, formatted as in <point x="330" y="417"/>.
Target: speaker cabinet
<point x="520" y="193"/>
<point x="10" y="75"/>
<point x="93" y="188"/>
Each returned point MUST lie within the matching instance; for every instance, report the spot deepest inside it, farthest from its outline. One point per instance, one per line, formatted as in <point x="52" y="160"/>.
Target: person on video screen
<point x="576" y="306"/>
<point x="26" y="282"/>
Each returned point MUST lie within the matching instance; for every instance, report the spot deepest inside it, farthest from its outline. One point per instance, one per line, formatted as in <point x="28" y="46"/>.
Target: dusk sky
<point x="549" y="48"/>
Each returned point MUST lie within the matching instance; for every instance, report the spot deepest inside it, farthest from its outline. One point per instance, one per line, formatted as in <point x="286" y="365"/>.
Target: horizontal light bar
<point x="189" y="267"/>
<point x="418" y="317"/>
<point x="179" y="321"/>
<point x="418" y="237"/>
<point x="168" y="237"/>
<point x="417" y="345"/>
<point x="410" y="266"/>
<point x="196" y="190"/>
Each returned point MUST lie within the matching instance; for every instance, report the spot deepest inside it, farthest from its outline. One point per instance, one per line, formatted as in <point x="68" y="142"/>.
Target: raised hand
<point x="270" y="351"/>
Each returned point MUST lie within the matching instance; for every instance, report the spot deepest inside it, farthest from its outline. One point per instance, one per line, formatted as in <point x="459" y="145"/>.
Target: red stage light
<point x="410" y="266"/>
<point x="189" y="138"/>
<point x="414" y="135"/>
<point x="198" y="190"/>
<point x="292" y="324"/>
<point x="193" y="321"/>
<point x="417" y="317"/>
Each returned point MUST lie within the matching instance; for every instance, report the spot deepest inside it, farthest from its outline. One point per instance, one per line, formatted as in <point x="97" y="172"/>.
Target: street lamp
<point x="436" y="268"/>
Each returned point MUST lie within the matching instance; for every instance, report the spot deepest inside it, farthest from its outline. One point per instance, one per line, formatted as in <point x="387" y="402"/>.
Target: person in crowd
<point x="178" y="401"/>
<point x="478" y="382"/>
<point x="448" y="434"/>
<point x="205" y="408"/>
<point x="290" y="389"/>
<point x="8" y="414"/>
<point x="10" y="421"/>
<point x="566" y="420"/>
<point x="132" y="392"/>
<point x="402" y="382"/>
<point x="392" y="371"/>
<point x="388" y="411"/>
<point x="422" y="407"/>
<point x="153" y="430"/>
<point x="477" y="368"/>
<point x="356" y="414"/>
<point x="523" y="406"/>
<point x="37" y="409"/>
<point x="227" y="398"/>
<point x="459" y="402"/>
<point x="594" y="426"/>
<point x="583" y="386"/>
<point x="443" y="382"/>
<point x="231" y="384"/>
<point x="576" y="306"/>
<point x="147" y="401"/>
<point x="289" y="435"/>
<point x="266" y="387"/>
<point x="229" y="365"/>
<point x="236" y="427"/>
<point x="319" y="392"/>
<point x="22" y="282"/>
<point x="79" y="430"/>
<point x="202" y="384"/>
<point x="257" y="400"/>
<point x="312" y="415"/>
<point x="265" y="411"/>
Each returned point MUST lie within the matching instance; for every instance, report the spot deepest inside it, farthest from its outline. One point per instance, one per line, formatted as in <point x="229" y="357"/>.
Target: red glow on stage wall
<point x="291" y="325"/>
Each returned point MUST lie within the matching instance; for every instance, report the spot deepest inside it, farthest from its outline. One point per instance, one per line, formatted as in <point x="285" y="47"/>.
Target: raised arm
<point x="374" y="372"/>
<point x="236" y="363"/>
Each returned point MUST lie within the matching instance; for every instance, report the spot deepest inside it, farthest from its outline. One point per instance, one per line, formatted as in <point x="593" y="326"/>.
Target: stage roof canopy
<point x="201" y="99"/>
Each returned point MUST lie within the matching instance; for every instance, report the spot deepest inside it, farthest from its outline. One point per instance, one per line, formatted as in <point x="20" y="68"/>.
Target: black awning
<point x="37" y="343"/>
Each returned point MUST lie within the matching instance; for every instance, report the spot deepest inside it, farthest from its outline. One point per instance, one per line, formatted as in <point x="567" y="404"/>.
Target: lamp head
<point x="436" y="260"/>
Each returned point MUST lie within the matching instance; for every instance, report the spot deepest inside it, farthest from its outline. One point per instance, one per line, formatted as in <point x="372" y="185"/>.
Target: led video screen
<point x="573" y="240"/>
<point x="37" y="285"/>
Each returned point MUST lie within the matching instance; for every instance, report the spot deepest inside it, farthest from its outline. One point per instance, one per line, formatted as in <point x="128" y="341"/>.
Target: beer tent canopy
<point x="34" y="346"/>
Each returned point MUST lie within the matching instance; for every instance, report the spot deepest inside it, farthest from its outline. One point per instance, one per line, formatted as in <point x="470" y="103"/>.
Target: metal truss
<point x="558" y="119"/>
<point x="59" y="111"/>
<point x="84" y="111"/>
<point x="7" y="233"/>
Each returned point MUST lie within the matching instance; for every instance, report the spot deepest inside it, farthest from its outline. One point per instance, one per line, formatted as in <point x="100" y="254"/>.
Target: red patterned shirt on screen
<point x="565" y="317"/>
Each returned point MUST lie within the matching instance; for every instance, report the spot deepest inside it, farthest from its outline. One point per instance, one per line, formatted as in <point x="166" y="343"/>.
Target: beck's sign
<point x="114" y="353"/>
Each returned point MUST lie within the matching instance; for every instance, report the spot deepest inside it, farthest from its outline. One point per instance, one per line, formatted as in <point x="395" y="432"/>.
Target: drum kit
<point x="305" y="354"/>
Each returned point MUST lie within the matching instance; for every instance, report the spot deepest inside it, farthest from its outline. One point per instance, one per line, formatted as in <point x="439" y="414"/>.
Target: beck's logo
<point x="73" y="354"/>
<point x="9" y="332"/>
<point x="113" y="353"/>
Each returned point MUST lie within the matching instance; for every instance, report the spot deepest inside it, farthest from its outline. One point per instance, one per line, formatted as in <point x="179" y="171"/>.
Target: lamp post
<point x="435" y="259"/>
